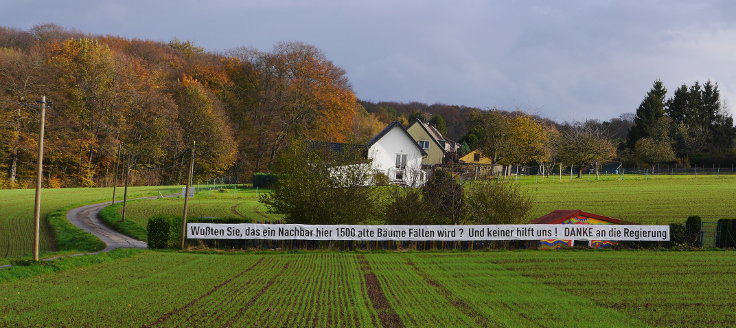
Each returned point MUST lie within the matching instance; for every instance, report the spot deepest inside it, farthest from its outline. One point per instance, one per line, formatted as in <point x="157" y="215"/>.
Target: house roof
<point x="343" y="152"/>
<point x="387" y="129"/>
<point x="558" y="216"/>
<point x="432" y="132"/>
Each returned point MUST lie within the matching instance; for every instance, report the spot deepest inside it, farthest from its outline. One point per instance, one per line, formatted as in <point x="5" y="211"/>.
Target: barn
<point x="575" y="217"/>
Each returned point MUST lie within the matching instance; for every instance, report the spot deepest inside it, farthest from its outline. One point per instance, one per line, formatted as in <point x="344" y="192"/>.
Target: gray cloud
<point x="566" y="60"/>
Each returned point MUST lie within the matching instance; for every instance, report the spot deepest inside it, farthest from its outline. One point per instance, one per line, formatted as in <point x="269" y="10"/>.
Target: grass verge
<point x="69" y="236"/>
<point x="24" y="268"/>
<point x="111" y="216"/>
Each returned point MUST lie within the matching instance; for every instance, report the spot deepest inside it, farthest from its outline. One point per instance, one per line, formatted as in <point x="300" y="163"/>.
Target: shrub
<point x="726" y="237"/>
<point x="407" y="207"/>
<point x="444" y="195"/>
<point x="677" y="235"/>
<point x="381" y="179"/>
<point x="159" y="231"/>
<point x="496" y="202"/>
<point x="264" y="180"/>
<point x="322" y="187"/>
<point x="166" y="229"/>
<point x="692" y="231"/>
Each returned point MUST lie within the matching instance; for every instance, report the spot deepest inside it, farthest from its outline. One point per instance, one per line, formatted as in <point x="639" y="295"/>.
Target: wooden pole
<point x="115" y="174"/>
<point x="186" y="197"/>
<point x="125" y="190"/>
<point x="39" y="184"/>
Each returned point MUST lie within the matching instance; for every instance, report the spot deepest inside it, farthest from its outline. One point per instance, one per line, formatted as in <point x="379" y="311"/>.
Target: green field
<point x="637" y="198"/>
<point x="512" y="289"/>
<point x="660" y="199"/>
<point x="16" y="213"/>
<point x="222" y="203"/>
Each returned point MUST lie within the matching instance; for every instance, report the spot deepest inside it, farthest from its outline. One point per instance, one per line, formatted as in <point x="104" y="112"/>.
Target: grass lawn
<point x="647" y="200"/>
<point x="328" y="289"/>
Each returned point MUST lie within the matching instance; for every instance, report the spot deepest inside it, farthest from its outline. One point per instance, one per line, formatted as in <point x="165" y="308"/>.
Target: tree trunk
<point x="13" y="166"/>
<point x="580" y="172"/>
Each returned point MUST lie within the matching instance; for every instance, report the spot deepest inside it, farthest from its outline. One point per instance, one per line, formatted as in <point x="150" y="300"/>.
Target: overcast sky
<point x="565" y="60"/>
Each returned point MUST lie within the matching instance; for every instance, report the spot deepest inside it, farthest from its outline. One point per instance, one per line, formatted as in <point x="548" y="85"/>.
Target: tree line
<point x="143" y="103"/>
<point x="152" y="100"/>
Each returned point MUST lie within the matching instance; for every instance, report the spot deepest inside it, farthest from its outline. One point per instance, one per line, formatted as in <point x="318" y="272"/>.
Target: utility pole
<point x="125" y="191"/>
<point x="186" y="197"/>
<point x="115" y="174"/>
<point x="39" y="181"/>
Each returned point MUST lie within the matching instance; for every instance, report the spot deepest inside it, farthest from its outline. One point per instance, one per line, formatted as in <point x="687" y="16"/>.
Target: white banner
<point x="429" y="232"/>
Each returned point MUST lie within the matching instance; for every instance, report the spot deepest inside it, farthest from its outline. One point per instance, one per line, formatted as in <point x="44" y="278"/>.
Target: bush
<point x="407" y="207"/>
<point x="159" y="231"/>
<point x="726" y="237"/>
<point x="677" y="235"/>
<point x="692" y="231"/>
<point x="496" y="202"/>
<point x="381" y="179"/>
<point x="264" y="180"/>
<point x="444" y="195"/>
<point x="322" y="187"/>
<point x="166" y="229"/>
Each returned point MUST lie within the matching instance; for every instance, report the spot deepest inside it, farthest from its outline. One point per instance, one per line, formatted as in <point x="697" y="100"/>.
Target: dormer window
<point x="423" y="144"/>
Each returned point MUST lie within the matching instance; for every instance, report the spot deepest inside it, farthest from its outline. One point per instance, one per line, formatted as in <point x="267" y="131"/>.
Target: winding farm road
<point x="85" y="218"/>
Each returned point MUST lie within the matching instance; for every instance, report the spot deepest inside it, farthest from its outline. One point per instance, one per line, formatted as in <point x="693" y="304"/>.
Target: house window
<point x="401" y="161"/>
<point x="423" y="144"/>
<point x="476" y="157"/>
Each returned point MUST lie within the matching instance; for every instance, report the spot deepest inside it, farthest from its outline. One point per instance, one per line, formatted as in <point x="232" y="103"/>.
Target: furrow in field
<point x="386" y="313"/>
<point x="416" y="303"/>
<point x="184" y="308"/>
<point x="450" y="297"/>
<point x="255" y="297"/>
<point x="668" y="289"/>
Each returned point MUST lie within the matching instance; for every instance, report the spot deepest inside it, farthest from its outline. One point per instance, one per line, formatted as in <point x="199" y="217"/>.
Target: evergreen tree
<point x="649" y="112"/>
<point x="439" y="123"/>
<point x="677" y="106"/>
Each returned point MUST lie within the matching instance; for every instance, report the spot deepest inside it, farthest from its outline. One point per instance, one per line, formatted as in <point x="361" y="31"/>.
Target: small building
<point x="475" y="157"/>
<point x="438" y="148"/>
<point x="575" y="217"/>
<point x="395" y="153"/>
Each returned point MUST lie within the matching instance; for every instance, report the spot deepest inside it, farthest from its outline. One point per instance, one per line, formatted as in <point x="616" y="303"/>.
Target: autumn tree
<point x="90" y="118"/>
<point x="583" y="145"/>
<point x="654" y="151"/>
<point x="21" y="74"/>
<point x="297" y="93"/>
<point x="202" y="120"/>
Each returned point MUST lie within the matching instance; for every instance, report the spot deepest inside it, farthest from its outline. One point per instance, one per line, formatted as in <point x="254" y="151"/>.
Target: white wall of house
<point x="383" y="154"/>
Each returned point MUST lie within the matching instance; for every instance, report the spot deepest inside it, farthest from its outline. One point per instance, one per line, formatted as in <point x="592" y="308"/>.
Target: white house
<point x="397" y="155"/>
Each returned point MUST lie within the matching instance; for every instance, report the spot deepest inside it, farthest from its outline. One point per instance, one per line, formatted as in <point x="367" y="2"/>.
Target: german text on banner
<point x="429" y="232"/>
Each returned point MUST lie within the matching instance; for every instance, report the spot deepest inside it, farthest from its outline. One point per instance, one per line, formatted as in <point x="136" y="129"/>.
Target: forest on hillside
<point x="152" y="100"/>
<point x="146" y="102"/>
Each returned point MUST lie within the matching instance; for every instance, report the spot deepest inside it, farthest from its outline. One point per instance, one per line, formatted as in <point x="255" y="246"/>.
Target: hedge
<point x="726" y="237"/>
<point x="692" y="231"/>
<point x="164" y="231"/>
<point x="264" y="180"/>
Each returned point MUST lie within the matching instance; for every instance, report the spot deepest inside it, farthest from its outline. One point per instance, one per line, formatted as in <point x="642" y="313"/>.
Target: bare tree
<point x="583" y="145"/>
